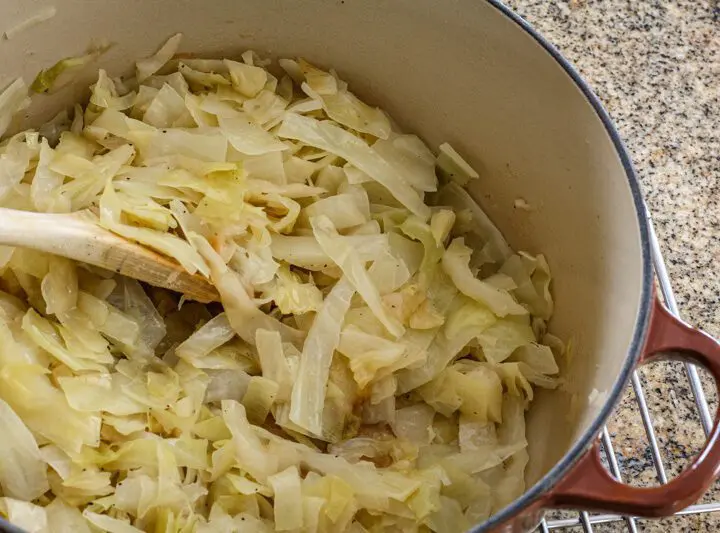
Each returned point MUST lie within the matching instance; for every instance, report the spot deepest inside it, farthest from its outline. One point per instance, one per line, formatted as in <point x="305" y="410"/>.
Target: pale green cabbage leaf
<point x="456" y="264"/>
<point x="335" y="140"/>
<point x="308" y="393"/>
<point x="23" y="474"/>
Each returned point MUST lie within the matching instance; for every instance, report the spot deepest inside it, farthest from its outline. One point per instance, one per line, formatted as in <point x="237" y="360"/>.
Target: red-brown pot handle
<point x="589" y="486"/>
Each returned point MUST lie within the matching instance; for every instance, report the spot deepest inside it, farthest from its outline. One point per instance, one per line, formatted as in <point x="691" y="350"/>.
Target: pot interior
<point x="458" y="71"/>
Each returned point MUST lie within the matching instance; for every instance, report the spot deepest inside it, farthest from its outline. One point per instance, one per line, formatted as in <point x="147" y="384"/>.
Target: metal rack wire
<point x="587" y="520"/>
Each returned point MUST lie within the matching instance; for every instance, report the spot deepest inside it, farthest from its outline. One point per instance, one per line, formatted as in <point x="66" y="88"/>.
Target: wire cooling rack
<point x="586" y="520"/>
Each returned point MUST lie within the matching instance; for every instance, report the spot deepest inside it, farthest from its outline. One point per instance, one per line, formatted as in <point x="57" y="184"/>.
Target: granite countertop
<point x="655" y="64"/>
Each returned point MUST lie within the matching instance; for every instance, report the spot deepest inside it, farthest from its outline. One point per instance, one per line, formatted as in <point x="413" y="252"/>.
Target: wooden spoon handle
<point x="78" y="237"/>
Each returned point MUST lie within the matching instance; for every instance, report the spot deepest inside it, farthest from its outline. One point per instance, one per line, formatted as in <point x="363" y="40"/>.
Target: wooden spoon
<point x="79" y="237"/>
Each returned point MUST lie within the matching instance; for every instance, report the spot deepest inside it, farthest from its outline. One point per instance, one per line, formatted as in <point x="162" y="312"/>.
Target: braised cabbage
<point x="372" y="357"/>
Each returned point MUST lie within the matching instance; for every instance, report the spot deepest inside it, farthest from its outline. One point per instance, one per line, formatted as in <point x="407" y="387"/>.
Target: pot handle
<point x="589" y="485"/>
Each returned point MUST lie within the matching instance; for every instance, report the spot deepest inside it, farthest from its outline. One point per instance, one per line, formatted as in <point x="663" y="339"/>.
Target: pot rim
<point x="583" y="444"/>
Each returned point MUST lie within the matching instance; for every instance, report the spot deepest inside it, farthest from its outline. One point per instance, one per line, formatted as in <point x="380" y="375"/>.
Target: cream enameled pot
<point x="472" y="73"/>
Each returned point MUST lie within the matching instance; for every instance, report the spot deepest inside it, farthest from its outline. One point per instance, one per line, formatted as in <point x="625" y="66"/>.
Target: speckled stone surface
<point x="655" y="64"/>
